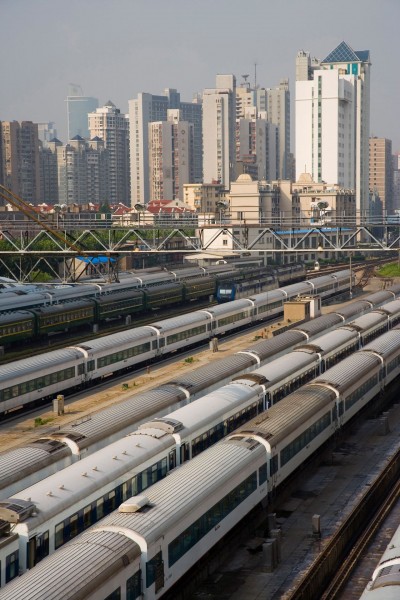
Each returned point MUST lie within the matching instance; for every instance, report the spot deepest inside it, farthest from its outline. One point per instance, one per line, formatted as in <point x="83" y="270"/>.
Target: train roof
<point x="278" y="369"/>
<point x="181" y="321"/>
<point x="330" y="341"/>
<point x="121" y="295"/>
<point x="315" y="326"/>
<point x="67" y="571"/>
<point x="366" y="321"/>
<point x="121" y="415"/>
<point x="268" y="348"/>
<point x="269" y="297"/>
<point x="172" y="498"/>
<point x="17" y="315"/>
<point x="286" y="416"/>
<point x="204" y="410"/>
<point x="391" y="308"/>
<point x="115" y="339"/>
<point x="26" y="367"/>
<point x="35" y="455"/>
<point x="354" y="308"/>
<point x="349" y="371"/>
<point x="64" y="308"/>
<point x="213" y="372"/>
<point x="386" y="344"/>
<point x="223" y="309"/>
<point x="380" y="297"/>
<point x="82" y="479"/>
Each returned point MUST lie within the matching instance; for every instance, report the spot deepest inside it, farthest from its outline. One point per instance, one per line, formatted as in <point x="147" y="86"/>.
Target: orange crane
<point x="27" y="210"/>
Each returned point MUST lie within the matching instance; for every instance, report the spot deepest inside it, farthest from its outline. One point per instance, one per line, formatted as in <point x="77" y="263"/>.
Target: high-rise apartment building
<point x="97" y="162"/>
<point x="47" y="131"/>
<point x="278" y="113"/>
<point x="171" y="151"/>
<point x="72" y="172"/>
<point x="112" y="126"/>
<point x="275" y="103"/>
<point x="20" y="164"/>
<point x="305" y="66"/>
<point x="78" y="108"/>
<point x="219" y="123"/>
<point x="149" y="108"/>
<point x="381" y="171"/>
<point x="257" y="139"/>
<point x="49" y="171"/>
<point x="396" y="181"/>
<point x="332" y="121"/>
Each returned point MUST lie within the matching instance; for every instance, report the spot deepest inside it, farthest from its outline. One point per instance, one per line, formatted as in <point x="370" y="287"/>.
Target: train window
<point x="134" y="586"/>
<point x="197" y="530"/>
<point x="273" y="465"/>
<point x="116" y="595"/>
<point x="87" y="516"/>
<point x="12" y="566"/>
<point x="134" y="486"/>
<point x="172" y="460"/>
<point x="126" y="490"/>
<point x="111" y="501"/>
<point x="262" y="474"/>
<point x="73" y="526"/>
<point x="59" y="535"/>
<point x="99" y="508"/>
<point x="153" y="567"/>
<point x="305" y="438"/>
<point x="90" y="365"/>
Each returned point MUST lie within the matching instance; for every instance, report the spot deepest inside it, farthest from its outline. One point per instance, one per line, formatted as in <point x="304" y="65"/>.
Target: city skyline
<point x="177" y="46"/>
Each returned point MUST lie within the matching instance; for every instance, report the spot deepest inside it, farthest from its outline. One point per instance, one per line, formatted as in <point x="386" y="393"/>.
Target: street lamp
<point x="351" y="278"/>
<point x="222" y="205"/>
<point x="140" y="208"/>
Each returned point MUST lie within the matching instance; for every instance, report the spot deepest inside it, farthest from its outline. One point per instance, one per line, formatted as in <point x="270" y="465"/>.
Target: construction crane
<point x="80" y="251"/>
<point x="27" y="210"/>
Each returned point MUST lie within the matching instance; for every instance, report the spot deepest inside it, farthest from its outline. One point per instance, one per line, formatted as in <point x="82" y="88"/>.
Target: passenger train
<point x="385" y="580"/>
<point x="30" y="381"/>
<point x="35" y="316"/>
<point x="154" y="538"/>
<point x="60" y="447"/>
<point x="50" y="517"/>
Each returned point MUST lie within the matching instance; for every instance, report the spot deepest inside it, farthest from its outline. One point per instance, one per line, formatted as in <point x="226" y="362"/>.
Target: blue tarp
<point x="96" y="260"/>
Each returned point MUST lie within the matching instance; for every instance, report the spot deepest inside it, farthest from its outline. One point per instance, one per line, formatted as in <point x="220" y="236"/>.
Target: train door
<point x="155" y="572"/>
<point x="185" y="453"/>
<point x="172" y="460"/>
<point x="38" y="548"/>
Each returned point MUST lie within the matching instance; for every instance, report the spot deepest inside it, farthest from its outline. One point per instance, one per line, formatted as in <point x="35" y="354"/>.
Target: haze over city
<point x="116" y="50"/>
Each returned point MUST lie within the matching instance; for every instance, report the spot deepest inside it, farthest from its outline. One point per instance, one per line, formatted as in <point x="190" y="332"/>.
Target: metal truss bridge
<point x="25" y="245"/>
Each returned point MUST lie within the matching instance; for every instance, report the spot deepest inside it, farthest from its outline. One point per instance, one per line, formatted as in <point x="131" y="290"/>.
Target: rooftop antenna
<point x="255" y="75"/>
<point x="74" y="89"/>
<point x="246" y="83"/>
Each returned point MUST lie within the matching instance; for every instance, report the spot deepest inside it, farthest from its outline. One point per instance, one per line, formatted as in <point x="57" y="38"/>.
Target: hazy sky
<point x="116" y="48"/>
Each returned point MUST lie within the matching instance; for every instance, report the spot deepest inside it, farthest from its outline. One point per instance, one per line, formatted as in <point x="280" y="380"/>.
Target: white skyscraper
<point x="171" y="152"/>
<point x="278" y="113"/>
<point x="112" y="126"/>
<point x="149" y="108"/>
<point x="332" y="121"/>
<point x="257" y="139"/>
<point x="219" y="119"/>
<point x="78" y="108"/>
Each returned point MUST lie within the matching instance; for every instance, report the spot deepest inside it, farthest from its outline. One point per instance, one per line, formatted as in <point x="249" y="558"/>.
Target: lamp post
<point x="351" y="278"/>
<point x="222" y="206"/>
<point x="140" y="208"/>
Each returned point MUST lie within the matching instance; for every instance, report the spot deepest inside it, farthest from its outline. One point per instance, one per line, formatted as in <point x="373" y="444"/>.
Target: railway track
<point x="330" y="572"/>
<point x="68" y="340"/>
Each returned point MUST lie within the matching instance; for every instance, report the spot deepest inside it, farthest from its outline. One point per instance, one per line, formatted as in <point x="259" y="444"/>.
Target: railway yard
<point x="308" y="511"/>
